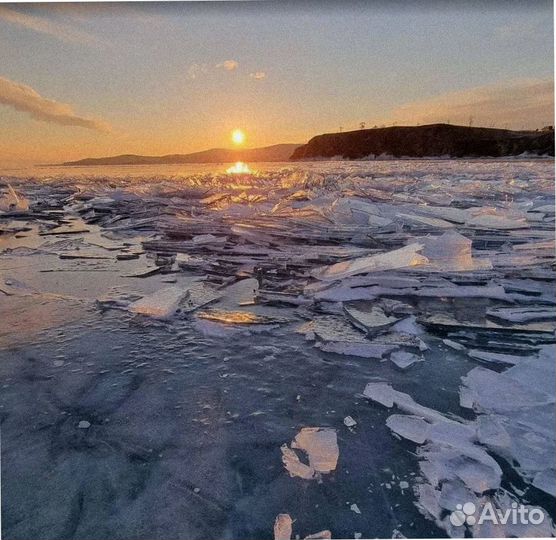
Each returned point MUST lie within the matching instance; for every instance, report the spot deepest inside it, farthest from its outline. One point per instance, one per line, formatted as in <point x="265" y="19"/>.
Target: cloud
<point x="228" y="65"/>
<point x="258" y="75"/>
<point x="522" y="103"/>
<point x="23" y="98"/>
<point x="195" y="70"/>
<point x="42" y="25"/>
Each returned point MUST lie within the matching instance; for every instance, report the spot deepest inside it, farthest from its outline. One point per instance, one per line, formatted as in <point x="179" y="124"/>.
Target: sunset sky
<point x="80" y="80"/>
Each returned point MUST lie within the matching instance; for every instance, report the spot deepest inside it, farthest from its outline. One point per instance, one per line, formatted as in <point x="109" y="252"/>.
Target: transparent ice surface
<point x="123" y="425"/>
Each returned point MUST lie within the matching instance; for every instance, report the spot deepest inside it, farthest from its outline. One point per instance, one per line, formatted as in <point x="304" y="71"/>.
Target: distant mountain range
<point x="277" y="152"/>
<point x="427" y="141"/>
<point x="433" y="140"/>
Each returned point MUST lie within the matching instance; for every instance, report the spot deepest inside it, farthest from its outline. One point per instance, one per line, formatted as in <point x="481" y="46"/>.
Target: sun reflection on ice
<point x="239" y="168"/>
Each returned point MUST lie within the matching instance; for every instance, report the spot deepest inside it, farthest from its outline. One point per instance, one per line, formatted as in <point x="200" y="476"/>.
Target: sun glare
<point x="239" y="168"/>
<point x="238" y="136"/>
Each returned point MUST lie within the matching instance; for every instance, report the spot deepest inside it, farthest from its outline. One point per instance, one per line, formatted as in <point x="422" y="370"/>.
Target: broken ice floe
<point x="517" y="414"/>
<point x="404" y="359"/>
<point x="372" y="321"/>
<point x="161" y="304"/>
<point x="283" y="530"/>
<point x="516" y="420"/>
<point x="337" y="335"/>
<point x="452" y="252"/>
<point x="407" y="256"/>
<point x="522" y="314"/>
<point x="379" y="264"/>
<point x="320" y="447"/>
<point x="12" y="202"/>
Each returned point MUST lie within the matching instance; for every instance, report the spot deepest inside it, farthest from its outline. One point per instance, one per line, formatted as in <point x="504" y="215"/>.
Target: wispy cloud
<point x="258" y="75"/>
<point x="23" y="98"/>
<point x="42" y="25"/>
<point x="228" y="65"/>
<point x="515" y="104"/>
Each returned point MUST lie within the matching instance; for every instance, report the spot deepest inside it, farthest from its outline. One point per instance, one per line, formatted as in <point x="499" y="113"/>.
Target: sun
<point x="238" y="136"/>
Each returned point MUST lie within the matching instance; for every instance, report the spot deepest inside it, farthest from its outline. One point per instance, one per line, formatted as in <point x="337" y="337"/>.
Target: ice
<point x="453" y="344"/>
<point x="334" y="334"/>
<point x="409" y="427"/>
<point x="162" y="304"/>
<point x="378" y="260"/>
<point x="199" y="294"/>
<point x="11" y="202"/>
<point x="283" y="527"/>
<point x="354" y="508"/>
<point x="283" y="530"/>
<point x="372" y="321"/>
<point x="208" y="239"/>
<point x="499" y="393"/>
<point x="536" y="246"/>
<point x="143" y="272"/>
<point x="494" y="358"/>
<point x="363" y="350"/>
<point x="242" y="292"/>
<point x="233" y="317"/>
<point x="384" y="394"/>
<point x="468" y="464"/>
<point x="447" y="322"/>
<point x="453" y="493"/>
<point x="428" y="501"/>
<point x="404" y="359"/>
<point x="422" y="220"/>
<point x="546" y="208"/>
<point x="492" y="433"/>
<point x="407" y="256"/>
<point x="452" y="252"/>
<point x="321" y="448"/>
<point x="321" y="535"/>
<point x="523" y="314"/>
<point x="502" y="503"/>
<point x="517" y="414"/>
<point x="546" y="481"/>
<point x="330" y="328"/>
<point x="451" y="462"/>
<point x="294" y="465"/>
<point x="358" y="211"/>
<point x="64" y="230"/>
<point x="83" y="255"/>
<point x="497" y="222"/>
<point x="448" y="213"/>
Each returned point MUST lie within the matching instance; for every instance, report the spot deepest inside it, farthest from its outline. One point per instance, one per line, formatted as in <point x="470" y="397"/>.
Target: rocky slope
<point x="427" y="141"/>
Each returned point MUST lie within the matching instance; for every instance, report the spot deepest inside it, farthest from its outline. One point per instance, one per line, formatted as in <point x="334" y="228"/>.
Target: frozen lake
<point x="167" y="330"/>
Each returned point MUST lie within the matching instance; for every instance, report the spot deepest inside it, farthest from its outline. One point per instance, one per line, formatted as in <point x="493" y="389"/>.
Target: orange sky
<point x="89" y="80"/>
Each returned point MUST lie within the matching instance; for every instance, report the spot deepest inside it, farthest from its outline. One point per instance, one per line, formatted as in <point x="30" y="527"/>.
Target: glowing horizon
<point x="96" y="80"/>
